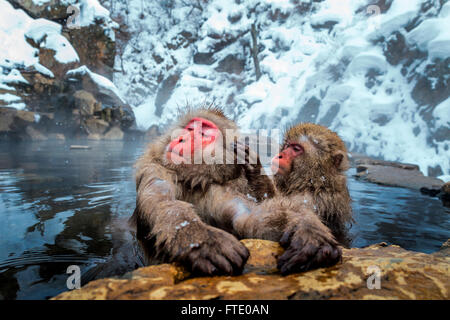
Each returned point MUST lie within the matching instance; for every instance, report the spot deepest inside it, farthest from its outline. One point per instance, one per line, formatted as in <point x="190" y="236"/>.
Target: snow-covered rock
<point x="374" y="76"/>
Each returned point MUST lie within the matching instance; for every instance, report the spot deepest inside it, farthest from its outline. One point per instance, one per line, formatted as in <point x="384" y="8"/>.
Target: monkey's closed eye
<point x="297" y="148"/>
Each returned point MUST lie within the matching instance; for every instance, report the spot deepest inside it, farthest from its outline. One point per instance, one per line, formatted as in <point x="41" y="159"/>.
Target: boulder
<point x="12" y="120"/>
<point x="94" y="47"/>
<point x="152" y="132"/>
<point x="86" y="103"/>
<point x="395" y="174"/>
<point x="110" y="106"/>
<point x="40" y="93"/>
<point x="403" y="275"/>
<point x="56" y="136"/>
<point x="33" y="134"/>
<point x="114" y="134"/>
<point x="50" y="9"/>
<point x="444" y="194"/>
<point x="206" y="58"/>
<point x="231" y="64"/>
<point x="95" y="126"/>
<point x="94" y="136"/>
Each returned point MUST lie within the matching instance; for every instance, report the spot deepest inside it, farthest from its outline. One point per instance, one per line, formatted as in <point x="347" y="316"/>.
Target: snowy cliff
<point x="377" y="73"/>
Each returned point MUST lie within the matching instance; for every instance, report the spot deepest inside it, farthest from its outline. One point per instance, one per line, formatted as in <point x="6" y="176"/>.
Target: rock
<point x="110" y="105"/>
<point x="395" y="174"/>
<point x="12" y="120"/>
<point x="444" y="250"/>
<point x="231" y="64"/>
<point x="152" y="132"/>
<point x="123" y="116"/>
<point x="40" y="93"/>
<point x="444" y="194"/>
<point x="86" y="103"/>
<point x="95" y="126"/>
<point x="6" y="119"/>
<point x="165" y="92"/>
<point x="103" y="90"/>
<point x="56" y="136"/>
<point x="33" y="134"/>
<point x="94" y="136"/>
<point x="114" y="134"/>
<point x="404" y="275"/>
<point x="94" y="47"/>
<point x="206" y="58"/>
<point x="49" y="9"/>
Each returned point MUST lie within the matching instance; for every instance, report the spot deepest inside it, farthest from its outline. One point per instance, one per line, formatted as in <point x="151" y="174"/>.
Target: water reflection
<point x="61" y="207"/>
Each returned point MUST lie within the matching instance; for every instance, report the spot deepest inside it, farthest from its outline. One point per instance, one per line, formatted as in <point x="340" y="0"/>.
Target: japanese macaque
<point x="189" y="193"/>
<point x="191" y="210"/>
<point x="312" y="164"/>
<point x="312" y="205"/>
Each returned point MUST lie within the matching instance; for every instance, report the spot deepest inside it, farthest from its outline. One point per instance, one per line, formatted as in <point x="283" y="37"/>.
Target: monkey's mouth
<point x="275" y="167"/>
<point x="279" y="168"/>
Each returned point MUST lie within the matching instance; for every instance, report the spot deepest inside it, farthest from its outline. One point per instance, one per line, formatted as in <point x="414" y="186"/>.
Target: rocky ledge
<point x="402" y="275"/>
<point x="396" y="174"/>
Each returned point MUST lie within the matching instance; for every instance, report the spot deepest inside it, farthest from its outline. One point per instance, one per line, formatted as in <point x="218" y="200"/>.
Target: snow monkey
<point x="312" y="204"/>
<point x="193" y="212"/>
<point x="312" y="163"/>
<point x="186" y="203"/>
<point x="310" y="169"/>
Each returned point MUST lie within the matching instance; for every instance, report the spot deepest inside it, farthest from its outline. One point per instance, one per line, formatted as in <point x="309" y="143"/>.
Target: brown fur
<point x="312" y="204"/>
<point x="320" y="173"/>
<point x="178" y="207"/>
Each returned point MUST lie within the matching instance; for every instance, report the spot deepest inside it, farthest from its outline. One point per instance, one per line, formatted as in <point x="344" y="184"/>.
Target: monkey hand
<point x="248" y="159"/>
<point x="307" y="250"/>
<point x="217" y="253"/>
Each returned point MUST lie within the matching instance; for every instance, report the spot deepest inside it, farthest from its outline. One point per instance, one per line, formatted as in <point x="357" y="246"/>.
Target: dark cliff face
<point x="68" y="91"/>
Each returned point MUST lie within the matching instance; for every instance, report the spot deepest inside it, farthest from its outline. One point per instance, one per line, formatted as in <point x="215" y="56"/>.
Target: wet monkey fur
<point x="309" y="213"/>
<point x="310" y="170"/>
<point x="185" y="209"/>
<point x="194" y="213"/>
<point x="312" y="162"/>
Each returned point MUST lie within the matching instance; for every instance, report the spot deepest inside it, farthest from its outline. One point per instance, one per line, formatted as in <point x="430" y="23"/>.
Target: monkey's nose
<point x="279" y="156"/>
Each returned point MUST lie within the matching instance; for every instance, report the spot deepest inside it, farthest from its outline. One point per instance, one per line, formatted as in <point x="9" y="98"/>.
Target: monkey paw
<point x="220" y="253"/>
<point x="307" y="252"/>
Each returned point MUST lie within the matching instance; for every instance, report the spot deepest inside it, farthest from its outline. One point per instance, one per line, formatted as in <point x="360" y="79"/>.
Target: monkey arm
<point x="222" y="205"/>
<point x="308" y="242"/>
<point x="158" y="213"/>
<point x="177" y="231"/>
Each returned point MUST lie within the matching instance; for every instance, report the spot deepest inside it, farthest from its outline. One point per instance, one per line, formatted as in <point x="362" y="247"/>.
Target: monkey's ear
<point x="340" y="160"/>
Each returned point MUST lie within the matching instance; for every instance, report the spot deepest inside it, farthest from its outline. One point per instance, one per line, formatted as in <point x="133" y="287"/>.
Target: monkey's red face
<point x="198" y="135"/>
<point x="282" y="162"/>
